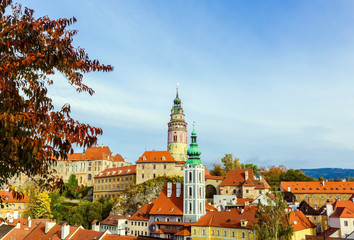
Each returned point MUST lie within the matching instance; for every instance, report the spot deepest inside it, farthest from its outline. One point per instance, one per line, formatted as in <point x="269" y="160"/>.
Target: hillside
<point x="329" y="173"/>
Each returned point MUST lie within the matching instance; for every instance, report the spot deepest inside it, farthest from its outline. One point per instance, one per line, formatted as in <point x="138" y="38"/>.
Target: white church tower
<point x="194" y="184"/>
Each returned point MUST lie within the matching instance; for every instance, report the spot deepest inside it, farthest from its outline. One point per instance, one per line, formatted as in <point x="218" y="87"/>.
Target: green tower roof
<point x="194" y="151"/>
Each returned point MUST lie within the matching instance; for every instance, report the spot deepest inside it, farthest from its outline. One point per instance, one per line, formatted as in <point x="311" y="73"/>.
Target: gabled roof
<point x="164" y="205"/>
<point x="342" y="212"/>
<point x="237" y="177"/>
<point x="38" y="233"/>
<point x="318" y="187"/>
<point x="143" y="213"/>
<point x="329" y="232"/>
<point x="306" y="209"/>
<point x="4" y="229"/>
<point x="227" y="219"/>
<point x="7" y="197"/>
<point x="113" y="220"/>
<point x="117" y="171"/>
<point x="299" y="221"/>
<point x="344" y="203"/>
<point x="184" y="232"/>
<point x="156" y="156"/>
<point x="87" y="235"/>
<point x="19" y="233"/>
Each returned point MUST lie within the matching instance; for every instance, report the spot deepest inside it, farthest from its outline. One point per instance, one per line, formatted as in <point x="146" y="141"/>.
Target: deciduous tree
<point x="39" y="205"/>
<point x="230" y="162"/>
<point x="32" y="133"/>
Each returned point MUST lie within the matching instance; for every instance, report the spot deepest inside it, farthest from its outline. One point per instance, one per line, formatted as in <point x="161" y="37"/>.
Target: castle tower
<point x="194" y="184"/>
<point x="177" y="132"/>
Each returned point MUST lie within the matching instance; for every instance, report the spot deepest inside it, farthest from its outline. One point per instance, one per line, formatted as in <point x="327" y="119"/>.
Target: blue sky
<point x="269" y="81"/>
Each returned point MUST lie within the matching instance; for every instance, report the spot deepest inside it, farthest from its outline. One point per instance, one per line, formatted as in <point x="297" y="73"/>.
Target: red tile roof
<point x="143" y="213"/>
<point x="113" y="220"/>
<point x="7" y="197"/>
<point x="19" y="233"/>
<point x="156" y="156"/>
<point x="184" y="232"/>
<point x="344" y="203"/>
<point x="168" y="206"/>
<point x="229" y="219"/>
<point x="117" y="171"/>
<point x="96" y="153"/>
<point x="318" y="187"/>
<point x="215" y="177"/>
<point x="237" y="177"/>
<point x="86" y="234"/>
<point x="38" y="233"/>
<point x="342" y="212"/>
<point x="299" y="221"/>
<point x="116" y="237"/>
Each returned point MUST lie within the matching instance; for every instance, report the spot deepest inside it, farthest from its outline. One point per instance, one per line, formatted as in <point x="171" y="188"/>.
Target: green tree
<point x="321" y="179"/>
<point x="85" y="213"/>
<point x="272" y="219"/>
<point x="32" y="133"/>
<point x="254" y="167"/>
<point x="72" y="187"/>
<point x="230" y="162"/>
<point x="39" y="206"/>
<point x="218" y="170"/>
<point x="295" y="175"/>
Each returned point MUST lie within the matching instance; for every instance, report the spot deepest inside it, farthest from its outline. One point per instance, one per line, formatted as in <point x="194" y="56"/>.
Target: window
<point x="190" y="191"/>
<point x="143" y="166"/>
<point x="314" y="196"/>
<point x="247" y="191"/>
<point x="346" y="223"/>
<point x="190" y="207"/>
<point x="200" y="177"/>
<point x="167" y="219"/>
<point x="218" y="233"/>
<point x="190" y="176"/>
<point x="138" y="223"/>
<point x="142" y="175"/>
<point x="175" y="138"/>
<point x="157" y="219"/>
<point x="195" y="231"/>
<point x="243" y="235"/>
<point x="212" y="233"/>
<point x="154" y="166"/>
<point x="330" y="196"/>
<point x="154" y="175"/>
<point x="203" y="232"/>
<point x="233" y="234"/>
<point x="178" y="220"/>
<point x="224" y="233"/>
<point x="164" y="166"/>
<point x="322" y="197"/>
<point x="306" y="196"/>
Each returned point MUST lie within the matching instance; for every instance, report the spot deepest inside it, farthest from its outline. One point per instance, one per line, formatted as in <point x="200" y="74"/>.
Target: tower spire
<point x="194" y="151"/>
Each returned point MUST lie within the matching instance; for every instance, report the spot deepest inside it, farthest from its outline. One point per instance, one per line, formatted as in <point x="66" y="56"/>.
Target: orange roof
<point x="168" y="206"/>
<point x="143" y="212"/>
<point x="342" y="212"/>
<point x="156" y="156"/>
<point x="158" y="232"/>
<point x="96" y="153"/>
<point x="24" y="222"/>
<point x="209" y="207"/>
<point x="116" y="237"/>
<point x="299" y="221"/>
<point x="38" y="233"/>
<point x="113" y="220"/>
<point x="19" y="233"/>
<point x="318" y="187"/>
<point x="117" y="171"/>
<point x="344" y="203"/>
<point x="242" y="201"/>
<point x="86" y="234"/>
<point x="184" y="232"/>
<point x="237" y="177"/>
<point x="214" y="177"/>
<point x="228" y="219"/>
<point x="8" y="197"/>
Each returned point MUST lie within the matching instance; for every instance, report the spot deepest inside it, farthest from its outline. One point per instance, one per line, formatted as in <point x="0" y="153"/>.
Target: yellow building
<point x="216" y="225"/>
<point x="88" y="164"/>
<point x="316" y="194"/>
<point x="302" y="226"/>
<point x="12" y="208"/>
<point x="157" y="163"/>
<point x="112" y="181"/>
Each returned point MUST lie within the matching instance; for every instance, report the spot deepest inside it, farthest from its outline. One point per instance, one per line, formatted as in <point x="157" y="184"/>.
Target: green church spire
<point x="194" y="151"/>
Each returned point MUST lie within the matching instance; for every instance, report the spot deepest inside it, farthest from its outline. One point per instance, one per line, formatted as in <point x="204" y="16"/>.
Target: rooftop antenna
<point x="177" y="89"/>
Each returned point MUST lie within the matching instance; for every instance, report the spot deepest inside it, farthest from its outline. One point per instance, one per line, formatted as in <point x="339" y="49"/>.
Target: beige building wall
<point x="146" y="171"/>
<point x="138" y="227"/>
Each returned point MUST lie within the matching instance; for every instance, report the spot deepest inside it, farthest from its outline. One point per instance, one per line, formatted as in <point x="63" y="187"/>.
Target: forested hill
<point x="329" y="173"/>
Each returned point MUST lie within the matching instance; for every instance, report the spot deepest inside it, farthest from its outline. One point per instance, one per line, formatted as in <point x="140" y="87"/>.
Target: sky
<point x="269" y="81"/>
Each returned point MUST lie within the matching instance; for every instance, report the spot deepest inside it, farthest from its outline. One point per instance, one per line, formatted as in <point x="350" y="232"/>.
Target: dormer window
<point x="144" y="158"/>
<point x="163" y="158"/>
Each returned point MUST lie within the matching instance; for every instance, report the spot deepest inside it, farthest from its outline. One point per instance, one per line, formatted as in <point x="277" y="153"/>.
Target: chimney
<point x="329" y="209"/>
<point x="29" y="222"/>
<point x="289" y="189"/>
<point x="323" y="183"/>
<point x="178" y="189"/>
<point x="65" y="230"/>
<point x="246" y="175"/>
<point x="48" y="225"/>
<point x="169" y="189"/>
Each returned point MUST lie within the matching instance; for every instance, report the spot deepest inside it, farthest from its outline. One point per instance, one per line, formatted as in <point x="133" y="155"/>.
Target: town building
<point x="302" y="226"/>
<point x="217" y="225"/>
<point x="138" y="224"/>
<point x="243" y="184"/>
<point x="157" y="163"/>
<point x="316" y="216"/>
<point x="112" y="181"/>
<point x="88" y="164"/>
<point x="11" y="207"/>
<point x="115" y="224"/>
<point x="316" y="194"/>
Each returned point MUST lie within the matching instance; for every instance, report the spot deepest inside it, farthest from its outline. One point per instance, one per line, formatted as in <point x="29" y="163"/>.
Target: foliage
<point x="72" y="187"/>
<point x="218" y="170"/>
<point x="230" y="162"/>
<point x="85" y="213"/>
<point x="39" y="206"/>
<point x="136" y="196"/>
<point x="32" y="133"/>
<point x="274" y="175"/>
<point x="273" y="221"/>
<point x="254" y="167"/>
<point x="107" y="204"/>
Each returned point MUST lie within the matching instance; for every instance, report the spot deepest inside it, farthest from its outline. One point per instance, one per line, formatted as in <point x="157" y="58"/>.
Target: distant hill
<point x="328" y="173"/>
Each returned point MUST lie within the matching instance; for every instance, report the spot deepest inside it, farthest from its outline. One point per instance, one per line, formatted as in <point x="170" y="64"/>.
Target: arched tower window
<point x="200" y="177"/>
<point x="200" y="207"/>
<point x="190" y="191"/>
<point x="200" y="191"/>
<point x="190" y="206"/>
<point x="190" y="176"/>
<point x="175" y="138"/>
